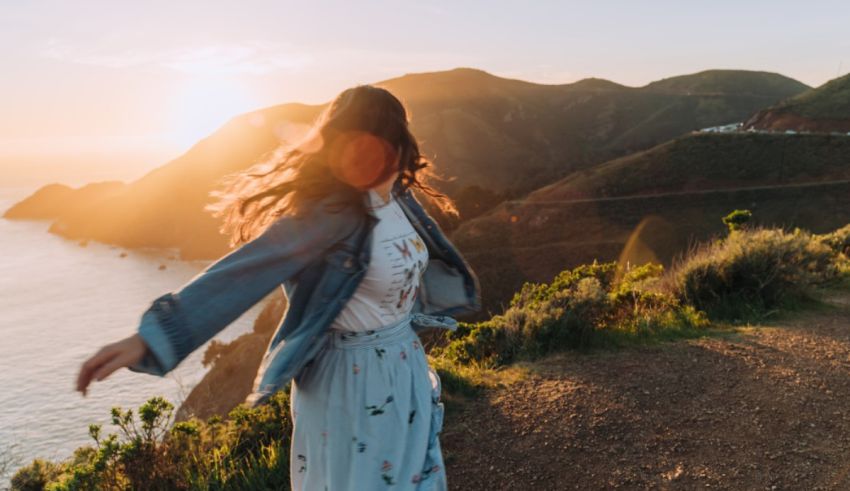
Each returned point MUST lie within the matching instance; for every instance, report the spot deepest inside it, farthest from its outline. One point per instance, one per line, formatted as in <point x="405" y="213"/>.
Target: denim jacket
<point x="319" y="261"/>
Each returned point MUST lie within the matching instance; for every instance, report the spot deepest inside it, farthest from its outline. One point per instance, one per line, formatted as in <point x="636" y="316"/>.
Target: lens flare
<point x="647" y="243"/>
<point x="361" y="159"/>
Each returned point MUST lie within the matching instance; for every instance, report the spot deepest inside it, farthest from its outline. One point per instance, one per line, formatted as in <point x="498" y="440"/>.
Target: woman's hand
<point x="111" y="357"/>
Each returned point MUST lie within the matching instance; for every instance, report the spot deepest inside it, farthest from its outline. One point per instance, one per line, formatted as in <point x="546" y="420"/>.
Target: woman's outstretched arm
<point x="178" y="322"/>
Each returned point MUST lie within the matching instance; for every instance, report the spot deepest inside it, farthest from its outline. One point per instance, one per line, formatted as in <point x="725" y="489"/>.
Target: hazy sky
<point x="148" y="78"/>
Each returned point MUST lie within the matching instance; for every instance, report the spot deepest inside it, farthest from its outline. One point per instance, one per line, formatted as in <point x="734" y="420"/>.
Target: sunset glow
<point x="95" y="74"/>
<point x="204" y="103"/>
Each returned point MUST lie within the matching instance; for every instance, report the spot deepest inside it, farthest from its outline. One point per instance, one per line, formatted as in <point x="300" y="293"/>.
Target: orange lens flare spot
<point x="359" y="158"/>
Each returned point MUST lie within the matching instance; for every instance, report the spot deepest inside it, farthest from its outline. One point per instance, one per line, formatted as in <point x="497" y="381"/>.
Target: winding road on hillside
<point x="765" y="407"/>
<point x="523" y="202"/>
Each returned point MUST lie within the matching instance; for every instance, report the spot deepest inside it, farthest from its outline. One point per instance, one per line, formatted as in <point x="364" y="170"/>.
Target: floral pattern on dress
<point x="386" y="467"/>
<point x="375" y="410"/>
<point x="387" y="472"/>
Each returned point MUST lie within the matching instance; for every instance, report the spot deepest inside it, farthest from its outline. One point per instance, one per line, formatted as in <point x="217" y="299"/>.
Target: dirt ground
<point x="764" y="408"/>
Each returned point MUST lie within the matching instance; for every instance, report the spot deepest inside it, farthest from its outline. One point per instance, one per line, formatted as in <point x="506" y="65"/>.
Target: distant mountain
<point x="731" y="82"/>
<point x="824" y="109"/>
<point x="58" y="200"/>
<point x="164" y="208"/>
<point x="653" y="205"/>
<point x="511" y="135"/>
<point x="493" y="136"/>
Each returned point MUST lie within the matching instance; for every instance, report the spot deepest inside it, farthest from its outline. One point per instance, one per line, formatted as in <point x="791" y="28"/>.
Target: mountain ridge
<point x="505" y="136"/>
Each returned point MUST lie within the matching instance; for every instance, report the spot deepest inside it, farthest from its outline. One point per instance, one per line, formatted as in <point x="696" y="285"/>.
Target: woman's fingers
<point x="109" y="367"/>
<point x="91" y="365"/>
<point x="110" y="358"/>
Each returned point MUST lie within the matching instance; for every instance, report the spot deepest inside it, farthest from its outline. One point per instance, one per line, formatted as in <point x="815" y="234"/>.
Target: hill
<point x="56" y="200"/>
<point x="701" y="161"/>
<point x="483" y="127"/>
<point x="504" y="136"/>
<point x="824" y="109"/>
<point x="654" y="205"/>
<point x="731" y="82"/>
<point x="163" y="208"/>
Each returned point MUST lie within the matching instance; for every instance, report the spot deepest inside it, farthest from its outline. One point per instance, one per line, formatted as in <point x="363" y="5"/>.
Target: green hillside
<point x="610" y="213"/>
<point x="829" y="101"/>
<point x="760" y="84"/>
<point x="824" y="109"/>
<point x="700" y="161"/>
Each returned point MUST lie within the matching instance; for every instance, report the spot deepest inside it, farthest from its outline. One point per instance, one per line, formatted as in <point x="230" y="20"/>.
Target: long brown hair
<point x="351" y="146"/>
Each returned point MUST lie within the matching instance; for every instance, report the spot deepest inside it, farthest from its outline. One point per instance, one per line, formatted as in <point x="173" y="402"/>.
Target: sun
<point x="202" y="104"/>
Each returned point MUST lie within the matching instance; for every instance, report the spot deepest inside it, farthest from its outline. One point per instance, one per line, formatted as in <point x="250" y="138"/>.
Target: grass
<point x="830" y="101"/>
<point x="752" y="275"/>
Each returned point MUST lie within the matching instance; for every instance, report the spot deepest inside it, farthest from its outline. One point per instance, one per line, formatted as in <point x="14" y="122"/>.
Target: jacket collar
<point x="396" y="191"/>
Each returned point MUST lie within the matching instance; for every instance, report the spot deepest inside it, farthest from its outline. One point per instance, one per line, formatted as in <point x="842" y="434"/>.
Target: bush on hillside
<point x="744" y="276"/>
<point x="36" y="476"/>
<point x="838" y="241"/>
<point x="247" y="450"/>
<point x="581" y="308"/>
<point x="752" y="272"/>
<point x="737" y="219"/>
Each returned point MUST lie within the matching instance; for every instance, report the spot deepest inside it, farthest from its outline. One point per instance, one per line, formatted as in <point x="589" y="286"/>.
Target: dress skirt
<point x="367" y="415"/>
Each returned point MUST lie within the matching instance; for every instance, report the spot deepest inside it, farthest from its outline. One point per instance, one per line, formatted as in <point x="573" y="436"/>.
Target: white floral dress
<point x="366" y="412"/>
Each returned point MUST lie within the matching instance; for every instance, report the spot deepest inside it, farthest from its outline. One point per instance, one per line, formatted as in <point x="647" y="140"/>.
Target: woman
<point x="364" y="269"/>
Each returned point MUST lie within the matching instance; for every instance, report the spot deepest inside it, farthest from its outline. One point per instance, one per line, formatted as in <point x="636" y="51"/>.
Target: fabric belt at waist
<point x="397" y="331"/>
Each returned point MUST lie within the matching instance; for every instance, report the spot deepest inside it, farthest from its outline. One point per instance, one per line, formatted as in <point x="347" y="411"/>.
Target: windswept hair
<point x="350" y="147"/>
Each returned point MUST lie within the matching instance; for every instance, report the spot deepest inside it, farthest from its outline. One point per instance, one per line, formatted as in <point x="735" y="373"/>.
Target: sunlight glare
<point x="202" y="104"/>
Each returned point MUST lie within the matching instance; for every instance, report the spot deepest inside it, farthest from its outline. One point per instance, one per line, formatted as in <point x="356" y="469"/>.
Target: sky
<point x="118" y="87"/>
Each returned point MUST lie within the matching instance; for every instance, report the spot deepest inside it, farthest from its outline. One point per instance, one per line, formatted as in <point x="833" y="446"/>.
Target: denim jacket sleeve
<point x="179" y="322"/>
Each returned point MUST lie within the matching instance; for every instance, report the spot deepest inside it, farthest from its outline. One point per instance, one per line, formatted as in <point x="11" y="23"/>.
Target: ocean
<point x="59" y="303"/>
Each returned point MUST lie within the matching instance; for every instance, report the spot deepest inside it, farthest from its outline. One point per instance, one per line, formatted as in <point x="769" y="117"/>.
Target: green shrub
<point x="35" y="476"/>
<point x="744" y="276"/>
<point x="737" y="220"/>
<point x="247" y="450"/>
<point x="752" y="272"/>
<point x="838" y="241"/>
<point x="588" y="306"/>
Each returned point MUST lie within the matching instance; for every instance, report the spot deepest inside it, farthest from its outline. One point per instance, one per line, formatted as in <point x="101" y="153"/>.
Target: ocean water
<point x="59" y="303"/>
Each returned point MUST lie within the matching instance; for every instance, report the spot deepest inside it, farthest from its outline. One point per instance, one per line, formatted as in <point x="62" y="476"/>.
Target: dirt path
<point x="767" y="408"/>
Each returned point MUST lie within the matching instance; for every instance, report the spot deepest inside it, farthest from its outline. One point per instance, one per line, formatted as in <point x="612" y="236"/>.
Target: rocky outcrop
<point x="234" y="366"/>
